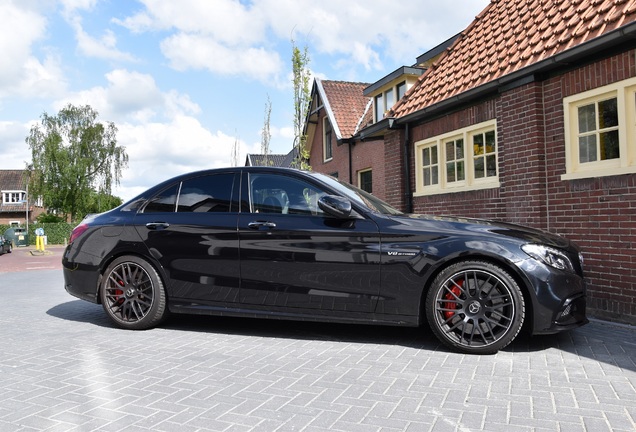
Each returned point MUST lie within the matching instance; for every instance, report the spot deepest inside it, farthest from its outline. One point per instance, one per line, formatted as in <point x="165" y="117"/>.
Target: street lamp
<point x="26" y="208"/>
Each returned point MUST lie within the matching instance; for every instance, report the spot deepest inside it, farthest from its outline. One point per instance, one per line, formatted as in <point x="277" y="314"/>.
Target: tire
<point x="475" y="307"/>
<point x="133" y="294"/>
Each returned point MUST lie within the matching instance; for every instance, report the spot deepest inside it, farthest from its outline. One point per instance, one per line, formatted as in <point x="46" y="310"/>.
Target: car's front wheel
<point x="475" y="307"/>
<point x="132" y="293"/>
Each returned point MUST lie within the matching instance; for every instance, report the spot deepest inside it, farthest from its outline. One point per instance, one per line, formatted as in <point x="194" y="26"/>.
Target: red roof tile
<point x="348" y="104"/>
<point x="509" y="35"/>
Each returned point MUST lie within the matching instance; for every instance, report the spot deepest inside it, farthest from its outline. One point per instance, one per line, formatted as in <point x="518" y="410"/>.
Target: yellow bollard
<point x="39" y="239"/>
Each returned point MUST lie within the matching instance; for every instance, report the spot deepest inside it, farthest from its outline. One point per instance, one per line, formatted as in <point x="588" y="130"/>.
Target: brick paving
<point x="63" y="367"/>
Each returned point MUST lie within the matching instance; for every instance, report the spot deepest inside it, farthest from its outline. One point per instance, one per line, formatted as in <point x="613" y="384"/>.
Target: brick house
<point x="529" y="116"/>
<point x="13" y="196"/>
<point x="338" y="110"/>
<point x="346" y="123"/>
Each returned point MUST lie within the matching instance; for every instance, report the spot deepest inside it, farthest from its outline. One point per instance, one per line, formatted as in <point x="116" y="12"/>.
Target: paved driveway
<point x="63" y="367"/>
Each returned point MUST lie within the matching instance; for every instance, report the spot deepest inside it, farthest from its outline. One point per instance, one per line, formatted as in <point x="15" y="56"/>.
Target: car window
<point x="164" y="201"/>
<point x="211" y="193"/>
<point x="272" y="193"/>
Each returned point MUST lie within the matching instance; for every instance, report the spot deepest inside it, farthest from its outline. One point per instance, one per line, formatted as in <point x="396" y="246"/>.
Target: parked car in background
<point x="282" y="243"/>
<point x="5" y="245"/>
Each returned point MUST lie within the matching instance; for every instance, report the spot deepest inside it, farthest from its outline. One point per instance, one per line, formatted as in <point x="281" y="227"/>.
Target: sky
<point x="183" y="81"/>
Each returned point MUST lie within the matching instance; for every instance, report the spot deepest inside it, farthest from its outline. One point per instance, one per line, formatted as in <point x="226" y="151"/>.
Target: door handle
<point x="259" y="224"/>
<point x="157" y="225"/>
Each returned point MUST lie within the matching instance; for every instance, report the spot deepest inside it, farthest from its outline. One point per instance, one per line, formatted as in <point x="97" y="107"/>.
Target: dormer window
<point x="13" y="197"/>
<point x="401" y="90"/>
<point x="385" y="100"/>
<point x="379" y="107"/>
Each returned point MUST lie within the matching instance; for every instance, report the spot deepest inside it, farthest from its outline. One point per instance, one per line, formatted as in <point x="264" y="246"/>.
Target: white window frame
<point x="388" y="98"/>
<point x="326" y="122"/>
<point x="625" y="94"/>
<point x="469" y="182"/>
<point x="7" y="194"/>
<point x="360" y="173"/>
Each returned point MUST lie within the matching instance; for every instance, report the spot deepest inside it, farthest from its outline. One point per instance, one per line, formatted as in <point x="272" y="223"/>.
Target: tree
<point x="302" y="98"/>
<point x="266" y="134"/>
<point x="236" y="147"/>
<point x="75" y="158"/>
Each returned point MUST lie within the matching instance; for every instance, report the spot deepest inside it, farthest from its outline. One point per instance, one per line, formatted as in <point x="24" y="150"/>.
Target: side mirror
<point x="335" y="206"/>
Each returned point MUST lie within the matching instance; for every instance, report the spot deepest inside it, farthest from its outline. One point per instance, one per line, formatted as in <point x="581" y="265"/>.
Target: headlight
<point x="550" y="256"/>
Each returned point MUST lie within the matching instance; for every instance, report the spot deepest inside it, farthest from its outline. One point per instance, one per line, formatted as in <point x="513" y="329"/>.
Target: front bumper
<point x="571" y="314"/>
<point x="558" y="298"/>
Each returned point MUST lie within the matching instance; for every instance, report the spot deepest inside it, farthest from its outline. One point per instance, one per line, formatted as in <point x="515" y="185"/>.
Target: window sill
<point x="599" y="173"/>
<point x="482" y="186"/>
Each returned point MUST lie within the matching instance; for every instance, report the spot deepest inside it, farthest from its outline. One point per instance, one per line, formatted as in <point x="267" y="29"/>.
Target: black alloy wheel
<point x="132" y="294"/>
<point x="475" y="307"/>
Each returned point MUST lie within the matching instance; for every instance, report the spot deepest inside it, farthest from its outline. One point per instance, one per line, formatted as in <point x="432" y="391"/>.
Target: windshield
<point x="358" y="195"/>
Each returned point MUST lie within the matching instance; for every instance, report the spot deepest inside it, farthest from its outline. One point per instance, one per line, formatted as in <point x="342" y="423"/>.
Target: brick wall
<point x="364" y="155"/>
<point x="394" y="169"/>
<point x="488" y="203"/>
<point x="599" y="213"/>
<point x="370" y="154"/>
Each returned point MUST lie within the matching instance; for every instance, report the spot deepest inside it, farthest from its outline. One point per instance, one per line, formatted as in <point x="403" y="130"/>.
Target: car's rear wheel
<point x="475" y="307"/>
<point x="132" y="293"/>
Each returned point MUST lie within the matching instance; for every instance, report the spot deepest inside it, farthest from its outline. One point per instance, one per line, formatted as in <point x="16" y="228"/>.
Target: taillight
<point x="78" y="231"/>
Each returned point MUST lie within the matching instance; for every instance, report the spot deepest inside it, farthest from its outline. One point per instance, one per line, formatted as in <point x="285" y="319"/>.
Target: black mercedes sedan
<point x="289" y="244"/>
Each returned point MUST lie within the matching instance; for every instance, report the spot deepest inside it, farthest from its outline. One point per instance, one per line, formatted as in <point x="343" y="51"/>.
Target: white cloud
<point x="158" y="151"/>
<point x="70" y="6"/>
<point x="372" y="30"/>
<point x="158" y="129"/>
<point x="131" y="96"/>
<point x="229" y="37"/>
<point x="103" y="48"/>
<point x="13" y="148"/>
<point x="23" y="74"/>
<point x="187" y="51"/>
<point x="229" y="22"/>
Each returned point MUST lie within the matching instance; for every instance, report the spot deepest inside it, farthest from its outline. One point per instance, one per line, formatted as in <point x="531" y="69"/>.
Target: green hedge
<point x="56" y="233"/>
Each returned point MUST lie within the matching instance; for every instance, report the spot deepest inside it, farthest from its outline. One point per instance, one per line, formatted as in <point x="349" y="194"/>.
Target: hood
<point x="485" y="227"/>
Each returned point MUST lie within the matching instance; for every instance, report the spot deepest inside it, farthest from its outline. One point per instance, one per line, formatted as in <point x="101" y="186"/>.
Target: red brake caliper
<point x="452" y="305"/>
<point x="120" y="292"/>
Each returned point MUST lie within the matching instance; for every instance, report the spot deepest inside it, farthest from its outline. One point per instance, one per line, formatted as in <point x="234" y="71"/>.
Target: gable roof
<point x="275" y="160"/>
<point x="253" y="159"/>
<point x="12" y="180"/>
<point x="345" y="104"/>
<point x="510" y="36"/>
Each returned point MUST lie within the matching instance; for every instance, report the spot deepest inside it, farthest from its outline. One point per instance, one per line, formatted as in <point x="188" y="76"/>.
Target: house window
<point x="328" y="149"/>
<point x="389" y="98"/>
<point x="430" y="167"/>
<point x="13" y="197"/>
<point x="365" y="180"/>
<point x="455" y="163"/>
<point x="600" y="128"/>
<point x="379" y="107"/>
<point x="461" y="160"/>
<point x="385" y="100"/>
<point x="485" y="154"/>
<point x="401" y="90"/>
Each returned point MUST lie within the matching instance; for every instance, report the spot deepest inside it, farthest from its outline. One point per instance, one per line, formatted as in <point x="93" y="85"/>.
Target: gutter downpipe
<point x="407" y="170"/>
<point x="350" y="142"/>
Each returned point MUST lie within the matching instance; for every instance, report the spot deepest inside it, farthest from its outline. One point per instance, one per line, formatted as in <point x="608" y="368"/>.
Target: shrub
<point x="56" y="233"/>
